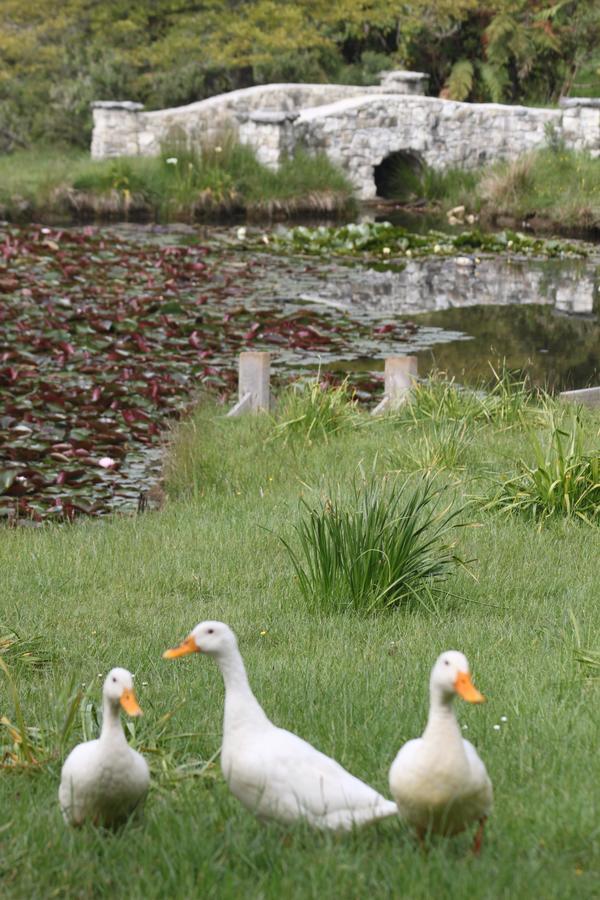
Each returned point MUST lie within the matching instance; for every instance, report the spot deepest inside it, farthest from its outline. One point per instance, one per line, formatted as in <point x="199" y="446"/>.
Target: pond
<point x="109" y="333"/>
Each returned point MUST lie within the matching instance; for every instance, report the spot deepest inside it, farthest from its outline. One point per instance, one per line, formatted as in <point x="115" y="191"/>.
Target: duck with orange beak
<point x="105" y="780"/>
<point x="273" y="772"/>
<point x="438" y="781"/>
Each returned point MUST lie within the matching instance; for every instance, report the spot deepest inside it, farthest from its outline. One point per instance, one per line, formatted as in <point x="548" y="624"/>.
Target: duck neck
<point x="241" y="706"/>
<point x="441" y="724"/>
<point x="112" y="729"/>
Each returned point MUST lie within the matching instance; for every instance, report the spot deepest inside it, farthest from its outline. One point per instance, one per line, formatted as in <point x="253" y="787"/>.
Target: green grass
<point x="311" y="410"/>
<point x="564" y="479"/>
<point x="557" y="186"/>
<point x="222" y="178"/>
<point x="118" y="592"/>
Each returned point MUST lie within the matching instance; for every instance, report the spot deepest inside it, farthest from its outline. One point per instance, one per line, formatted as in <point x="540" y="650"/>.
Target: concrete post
<point x="586" y="396"/>
<point x="253" y="383"/>
<point x="400" y="373"/>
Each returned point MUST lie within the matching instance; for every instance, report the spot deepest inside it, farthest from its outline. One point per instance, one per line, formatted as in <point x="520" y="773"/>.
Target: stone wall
<point x="357" y="127"/>
<point x="123" y="128"/>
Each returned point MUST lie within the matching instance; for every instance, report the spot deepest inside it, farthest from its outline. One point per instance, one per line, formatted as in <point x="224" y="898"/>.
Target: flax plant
<point x="564" y="480"/>
<point x="385" y="544"/>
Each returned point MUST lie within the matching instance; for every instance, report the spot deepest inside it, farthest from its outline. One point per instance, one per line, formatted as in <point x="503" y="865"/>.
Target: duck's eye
<point x="114" y="679"/>
<point x="446" y="662"/>
<point x="211" y="630"/>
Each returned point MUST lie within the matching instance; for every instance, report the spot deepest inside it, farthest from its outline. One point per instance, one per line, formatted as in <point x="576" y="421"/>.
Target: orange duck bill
<point x="128" y="701"/>
<point x="465" y="688"/>
<point x="187" y="646"/>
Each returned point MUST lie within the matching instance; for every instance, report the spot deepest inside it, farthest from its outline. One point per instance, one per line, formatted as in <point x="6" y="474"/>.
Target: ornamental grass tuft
<point x="564" y="480"/>
<point x="312" y="409"/>
<point x="381" y="544"/>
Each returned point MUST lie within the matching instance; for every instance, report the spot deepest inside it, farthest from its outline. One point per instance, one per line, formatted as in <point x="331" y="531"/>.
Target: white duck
<point x="103" y="781"/>
<point x="273" y="772"/>
<point x="438" y="781"/>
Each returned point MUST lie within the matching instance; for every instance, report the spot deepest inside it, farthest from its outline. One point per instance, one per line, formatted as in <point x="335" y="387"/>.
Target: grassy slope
<point x="228" y="177"/>
<point x="119" y="592"/>
<point x="559" y="186"/>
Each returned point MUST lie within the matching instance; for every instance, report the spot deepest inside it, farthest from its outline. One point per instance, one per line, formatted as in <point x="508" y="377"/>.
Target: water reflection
<point x="541" y="315"/>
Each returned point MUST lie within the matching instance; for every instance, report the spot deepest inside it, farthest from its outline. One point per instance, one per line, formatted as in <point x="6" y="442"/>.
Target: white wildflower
<point x="171" y="160"/>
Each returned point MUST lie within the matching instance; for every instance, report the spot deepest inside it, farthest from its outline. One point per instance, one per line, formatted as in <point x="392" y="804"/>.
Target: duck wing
<point x="297" y="781"/>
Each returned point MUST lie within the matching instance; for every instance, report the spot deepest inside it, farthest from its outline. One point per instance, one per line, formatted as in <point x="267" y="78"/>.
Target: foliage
<point x="563" y="481"/>
<point x="561" y="186"/>
<point x="384" y="545"/>
<point x="28" y="651"/>
<point x="382" y="240"/>
<point x="313" y="410"/>
<point x="56" y="59"/>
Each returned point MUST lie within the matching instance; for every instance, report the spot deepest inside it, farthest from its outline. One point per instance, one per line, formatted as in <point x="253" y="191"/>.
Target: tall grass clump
<point x="506" y="400"/>
<point x="312" y="409"/>
<point x="435" y="446"/>
<point x="558" y="184"/>
<point x="384" y="544"/>
<point x="564" y="480"/>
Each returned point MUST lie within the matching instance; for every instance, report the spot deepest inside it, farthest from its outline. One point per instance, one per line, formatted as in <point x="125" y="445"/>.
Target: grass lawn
<point x="118" y="592"/>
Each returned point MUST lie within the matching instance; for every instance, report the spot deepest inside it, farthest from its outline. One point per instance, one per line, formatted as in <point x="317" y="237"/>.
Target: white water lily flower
<point x="386" y="251"/>
<point x="107" y="462"/>
<point x="241" y="233"/>
<point x="171" y="161"/>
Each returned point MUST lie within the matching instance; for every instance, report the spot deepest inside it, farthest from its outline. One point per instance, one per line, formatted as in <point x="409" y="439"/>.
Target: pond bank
<point x="546" y="192"/>
<point x="220" y="183"/>
<point x="550" y="191"/>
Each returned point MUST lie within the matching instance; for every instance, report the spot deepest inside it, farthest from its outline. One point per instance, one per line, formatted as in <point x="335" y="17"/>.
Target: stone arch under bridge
<point x="357" y="127"/>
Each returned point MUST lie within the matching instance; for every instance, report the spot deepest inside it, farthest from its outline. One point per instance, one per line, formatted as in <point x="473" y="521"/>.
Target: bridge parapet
<point x="357" y="127"/>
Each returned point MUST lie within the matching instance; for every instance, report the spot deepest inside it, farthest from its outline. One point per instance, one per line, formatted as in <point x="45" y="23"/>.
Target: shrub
<point x="384" y="544"/>
<point x="563" y="481"/>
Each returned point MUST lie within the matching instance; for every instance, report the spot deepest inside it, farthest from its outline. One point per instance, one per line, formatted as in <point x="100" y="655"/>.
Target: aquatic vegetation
<point x="107" y="336"/>
<point x="379" y="545"/>
<point x="390" y="242"/>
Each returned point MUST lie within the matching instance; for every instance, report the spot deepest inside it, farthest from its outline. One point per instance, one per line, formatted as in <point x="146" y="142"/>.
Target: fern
<point x="495" y="81"/>
<point x="459" y="83"/>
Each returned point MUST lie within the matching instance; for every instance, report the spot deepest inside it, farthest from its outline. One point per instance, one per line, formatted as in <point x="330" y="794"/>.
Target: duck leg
<point x="478" y="839"/>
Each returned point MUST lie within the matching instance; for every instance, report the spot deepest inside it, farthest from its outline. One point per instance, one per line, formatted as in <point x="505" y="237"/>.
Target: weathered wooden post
<point x="586" y="396"/>
<point x="400" y="374"/>
<point x="254" y="391"/>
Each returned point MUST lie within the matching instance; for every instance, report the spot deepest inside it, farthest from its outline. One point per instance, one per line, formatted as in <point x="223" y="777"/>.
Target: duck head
<point x="450" y="676"/>
<point x="212" y="638"/>
<point x="118" y="689"/>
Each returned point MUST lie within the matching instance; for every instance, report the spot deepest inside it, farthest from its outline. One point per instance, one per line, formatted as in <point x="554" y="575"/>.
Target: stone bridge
<point x="360" y="128"/>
